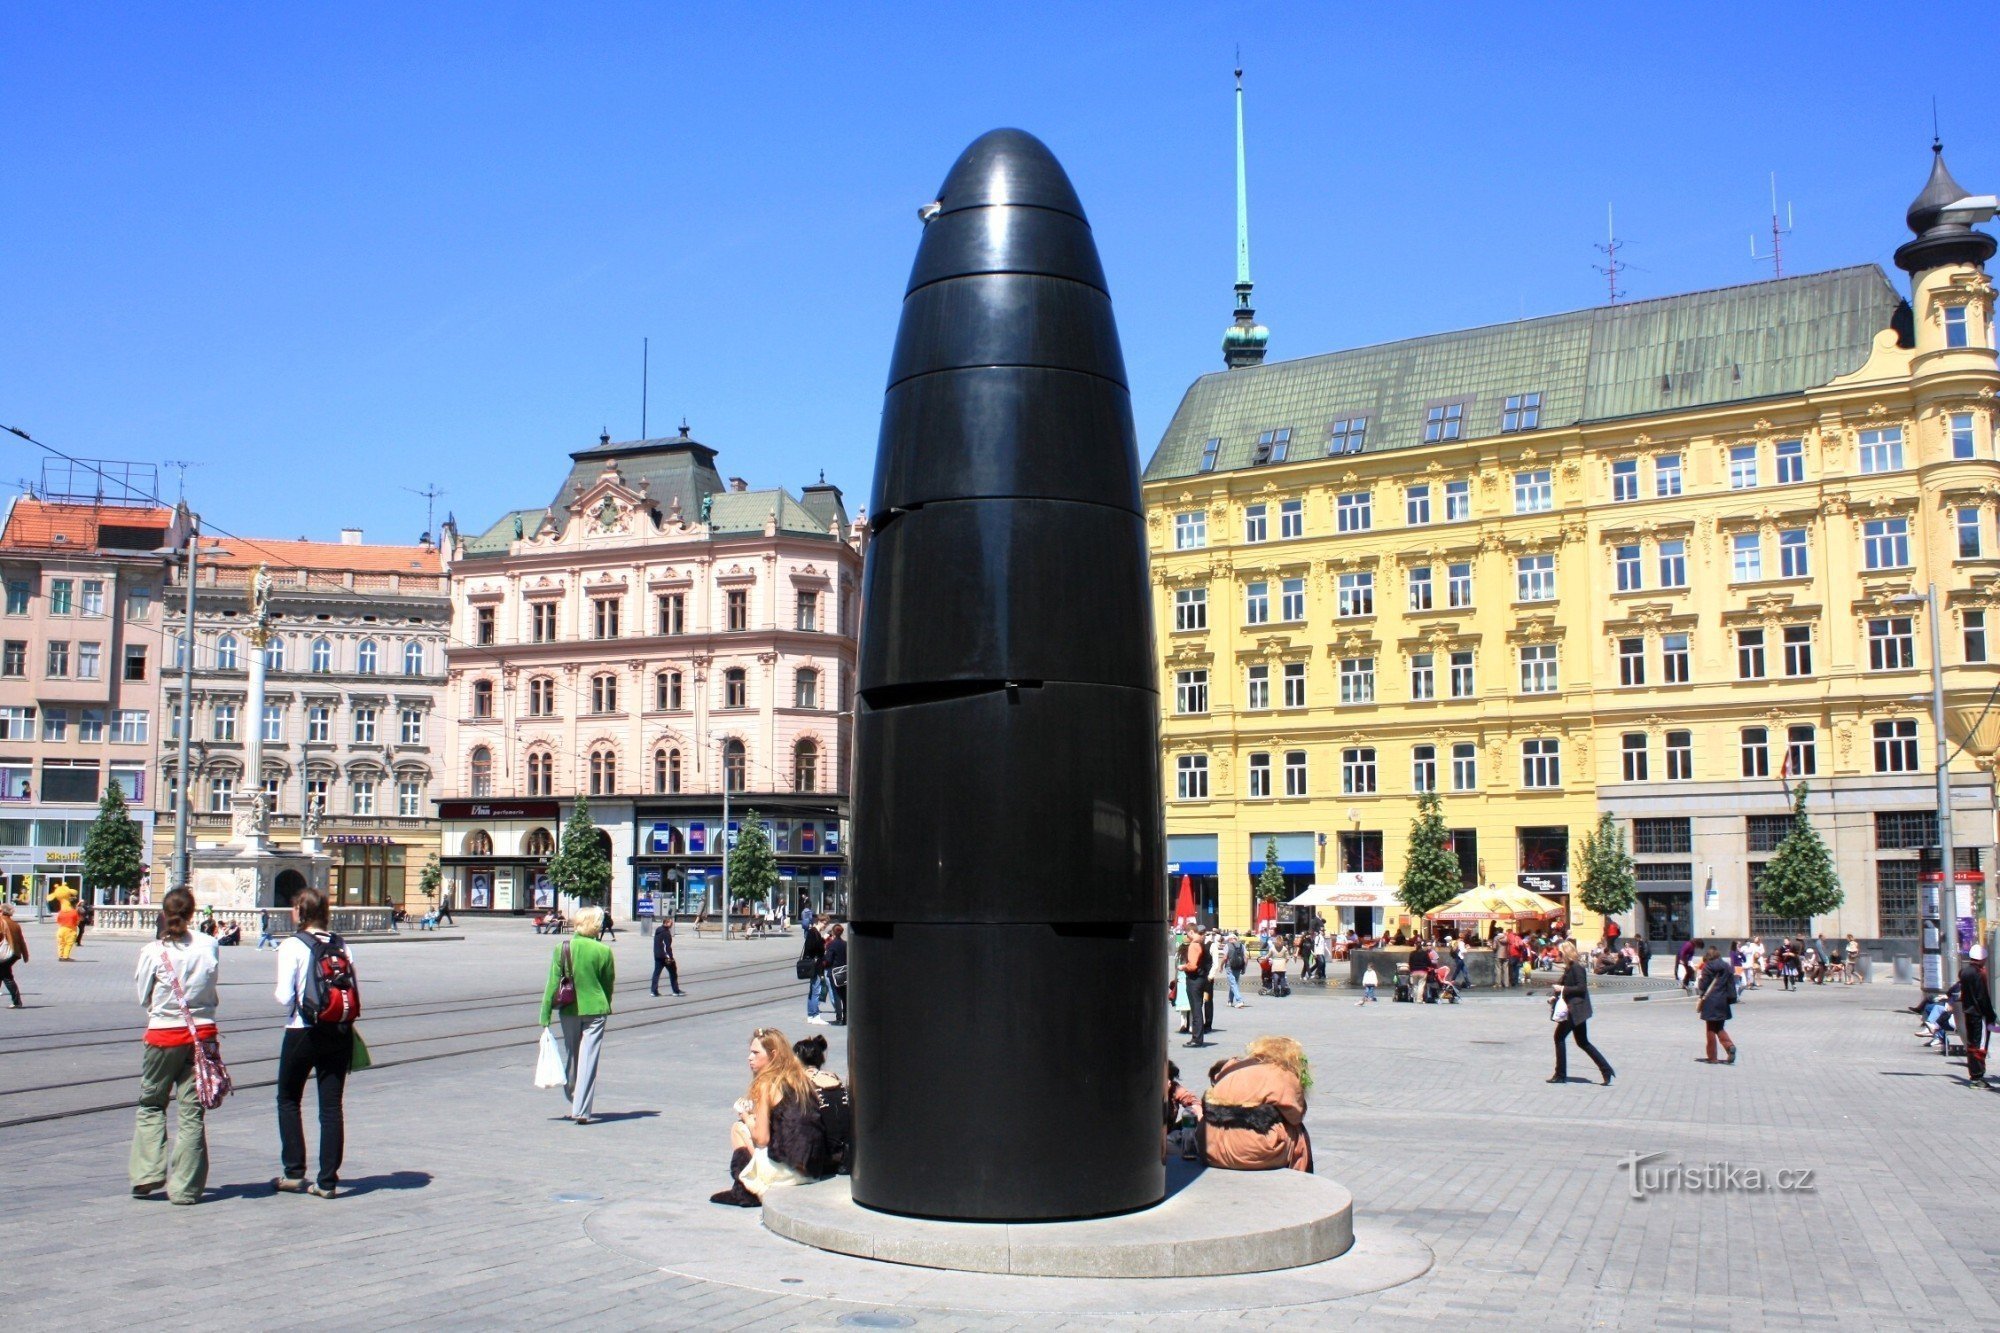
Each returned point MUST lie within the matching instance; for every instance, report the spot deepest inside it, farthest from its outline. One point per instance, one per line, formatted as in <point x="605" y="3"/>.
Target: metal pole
<point x="722" y="756"/>
<point x="1947" y="862"/>
<point x="182" y="850"/>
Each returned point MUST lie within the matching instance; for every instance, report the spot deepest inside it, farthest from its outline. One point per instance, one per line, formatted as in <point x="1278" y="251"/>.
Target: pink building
<point x="651" y="634"/>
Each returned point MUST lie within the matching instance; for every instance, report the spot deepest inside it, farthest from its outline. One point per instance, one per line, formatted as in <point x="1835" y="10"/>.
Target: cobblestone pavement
<point x="1437" y="1118"/>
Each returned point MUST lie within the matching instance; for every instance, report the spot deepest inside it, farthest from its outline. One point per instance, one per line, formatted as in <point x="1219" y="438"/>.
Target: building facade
<point x="1654" y="559"/>
<point x="80" y="654"/>
<point x="352" y="720"/>
<point x="653" y="634"/>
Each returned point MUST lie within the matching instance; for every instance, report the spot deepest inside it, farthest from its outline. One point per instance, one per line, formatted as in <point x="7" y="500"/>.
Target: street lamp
<point x="1947" y="860"/>
<point x="182" y="849"/>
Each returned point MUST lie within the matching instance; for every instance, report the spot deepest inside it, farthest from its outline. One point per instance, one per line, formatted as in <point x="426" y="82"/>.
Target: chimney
<point x="350" y="536"/>
<point x="738" y="484"/>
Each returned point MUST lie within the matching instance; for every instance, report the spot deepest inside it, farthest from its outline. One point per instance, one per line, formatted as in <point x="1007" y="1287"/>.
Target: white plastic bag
<point x="1559" y="1010"/>
<point x="549" y="1064"/>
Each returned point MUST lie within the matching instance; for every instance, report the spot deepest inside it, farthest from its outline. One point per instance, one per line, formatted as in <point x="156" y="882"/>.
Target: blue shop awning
<point x="1191" y="868"/>
<point x="1289" y="867"/>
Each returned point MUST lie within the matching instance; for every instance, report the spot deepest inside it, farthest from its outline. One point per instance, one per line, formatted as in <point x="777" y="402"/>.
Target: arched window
<point x="274" y="654"/>
<point x="541" y="774"/>
<point x="413" y="658"/>
<point x="539" y="842"/>
<point x="542" y="697"/>
<point x="482" y="698"/>
<point x="369" y="658"/>
<point x="322" y="656"/>
<point x="666" y="771"/>
<point x="734" y="764"/>
<point x="806" y="692"/>
<point x="603" y="773"/>
<point x="479" y="843"/>
<point x="225" y="653"/>
<point x="735" y="688"/>
<point x="667" y="691"/>
<point x="805" y="766"/>
<point x="482" y="771"/>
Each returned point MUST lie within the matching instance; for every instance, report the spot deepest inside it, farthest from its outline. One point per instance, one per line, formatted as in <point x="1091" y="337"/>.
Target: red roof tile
<point x="38" y="525"/>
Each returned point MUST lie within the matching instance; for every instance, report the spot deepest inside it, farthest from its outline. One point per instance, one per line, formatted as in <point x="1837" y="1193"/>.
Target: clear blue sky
<point x="331" y="254"/>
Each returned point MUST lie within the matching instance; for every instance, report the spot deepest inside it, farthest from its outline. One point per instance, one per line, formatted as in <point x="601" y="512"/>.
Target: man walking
<point x="444" y="909"/>
<point x="663" y="957"/>
<point x="1194" y="979"/>
<point x="1239" y="959"/>
<point x="1684" y="963"/>
<point x="1975" y="998"/>
<point x="312" y="965"/>
<point x="13" y="949"/>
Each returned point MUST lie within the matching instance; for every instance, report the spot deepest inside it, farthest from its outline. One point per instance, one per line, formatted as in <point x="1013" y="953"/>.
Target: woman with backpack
<point x="176" y="984"/>
<point x="582" y="974"/>
<point x="835" y="1104"/>
<point x="1715" y="999"/>
<point x="778" y="1138"/>
<point x="317" y="986"/>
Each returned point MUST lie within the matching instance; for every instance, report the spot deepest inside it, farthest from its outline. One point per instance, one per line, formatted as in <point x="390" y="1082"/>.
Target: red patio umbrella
<point x="1266" y="911"/>
<point x="1184" y="904"/>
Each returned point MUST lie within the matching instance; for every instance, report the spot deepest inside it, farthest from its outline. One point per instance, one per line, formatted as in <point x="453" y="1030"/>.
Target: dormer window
<point x="1523" y="412"/>
<point x="1273" y="446"/>
<point x="1209" y="453"/>
<point x="1444" y="421"/>
<point x="1346" y="436"/>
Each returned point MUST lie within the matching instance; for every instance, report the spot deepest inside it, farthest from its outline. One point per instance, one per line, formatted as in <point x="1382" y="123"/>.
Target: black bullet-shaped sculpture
<point x="1009" y="900"/>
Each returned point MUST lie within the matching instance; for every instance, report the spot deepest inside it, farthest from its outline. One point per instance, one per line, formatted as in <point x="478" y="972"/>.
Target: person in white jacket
<point x="167" y="1069"/>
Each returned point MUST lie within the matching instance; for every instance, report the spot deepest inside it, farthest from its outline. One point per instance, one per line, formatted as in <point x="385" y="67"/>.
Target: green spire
<point x="1243" y="342"/>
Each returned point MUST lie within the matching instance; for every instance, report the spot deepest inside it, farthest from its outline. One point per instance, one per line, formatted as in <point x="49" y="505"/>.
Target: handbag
<point x="359" y="1058"/>
<point x="839" y="975"/>
<point x="211" y="1077"/>
<point x="566" y="988"/>
<point x="807" y="965"/>
<point x="550" y="1068"/>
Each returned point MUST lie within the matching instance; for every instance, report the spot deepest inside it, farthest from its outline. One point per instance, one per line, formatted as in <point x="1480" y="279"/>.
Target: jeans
<point x="322" y="1051"/>
<point x="840" y="1005"/>
<point x="169" y="1071"/>
<point x="1235" y="986"/>
<point x="583" y="1042"/>
<point x="812" y="995"/>
<point x="673" y="972"/>
<point x="7" y="980"/>
<point x="1368" y="994"/>
<point x="1580" y="1028"/>
<point x="1197" y="993"/>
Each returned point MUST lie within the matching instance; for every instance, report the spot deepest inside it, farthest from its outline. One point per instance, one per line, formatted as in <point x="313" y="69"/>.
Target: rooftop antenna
<point x="645" y="382"/>
<point x="180" y="465"/>
<point x="1778" y="233"/>
<point x="430" y="492"/>
<point x="1612" y="265"/>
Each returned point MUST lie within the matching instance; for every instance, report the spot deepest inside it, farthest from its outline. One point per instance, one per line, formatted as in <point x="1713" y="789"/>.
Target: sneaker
<point x="286" y="1185"/>
<point x="323" y="1191"/>
<point x="815" y="1018"/>
<point x="147" y="1191"/>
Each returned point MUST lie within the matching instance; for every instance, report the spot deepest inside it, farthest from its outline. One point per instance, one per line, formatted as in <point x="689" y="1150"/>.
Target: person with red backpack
<point x="317" y="984"/>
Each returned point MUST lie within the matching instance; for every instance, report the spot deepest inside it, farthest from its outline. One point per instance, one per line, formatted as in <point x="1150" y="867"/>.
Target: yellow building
<point x="1644" y="558"/>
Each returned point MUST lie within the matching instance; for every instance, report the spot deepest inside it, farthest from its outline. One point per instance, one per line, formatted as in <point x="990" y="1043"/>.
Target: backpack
<point x="330" y="992"/>
<point x="1238" y="960"/>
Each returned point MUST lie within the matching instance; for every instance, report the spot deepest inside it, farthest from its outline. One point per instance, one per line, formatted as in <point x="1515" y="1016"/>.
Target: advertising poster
<point x="481" y="894"/>
<point x="545" y="892"/>
<point x="697" y="838"/>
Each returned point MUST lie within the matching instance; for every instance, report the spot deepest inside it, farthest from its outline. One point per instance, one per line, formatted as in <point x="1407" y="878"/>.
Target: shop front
<point x="496" y="854"/>
<point x="41" y="854"/>
<point x="1192" y="859"/>
<point x="1544" y="866"/>
<point x="369" y="869"/>
<point x="678" y="863"/>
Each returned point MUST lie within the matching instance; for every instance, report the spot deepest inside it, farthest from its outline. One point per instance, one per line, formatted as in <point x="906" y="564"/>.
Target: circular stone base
<point x="1211" y="1224"/>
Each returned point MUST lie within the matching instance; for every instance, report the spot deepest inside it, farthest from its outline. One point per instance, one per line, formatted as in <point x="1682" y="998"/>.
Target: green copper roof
<point x="512" y="524"/>
<point x="1703" y="349"/>
<point x="745" y="511"/>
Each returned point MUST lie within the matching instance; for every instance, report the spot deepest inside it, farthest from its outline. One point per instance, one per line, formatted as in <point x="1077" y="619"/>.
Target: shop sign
<point x="1974" y="877"/>
<point x="65" y="857"/>
<point x="498" y="809"/>
<point x="360" y="840"/>
<point x="1552" y="882"/>
<point x="698" y="838"/>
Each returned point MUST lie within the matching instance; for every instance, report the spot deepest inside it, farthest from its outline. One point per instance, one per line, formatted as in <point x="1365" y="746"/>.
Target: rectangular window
<point x="1357" y="680"/>
<point x="55" y="724"/>
<point x="542" y="622"/>
<point x="1292" y="600"/>
<point x="1798" y="650"/>
<point x="1891" y="645"/>
<point x="1632" y="756"/>
<point x="364" y="726"/>
<point x="319" y="723"/>
<point x="1423" y="768"/>
<point x="1662" y="837"/>
<point x="14" y="658"/>
<point x="1898" y="900"/>
<point x="1674" y="563"/>
<point x="220" y="789"/>
<point x="361" y="796"/>
<point x="1190" y="692"/>
<point x="1461" y="674"/>
<point x="1260" y="776"/>
<point x="1190" y="531"/>
<point x="666" y="693"/>
<point x="1756" y="747"/>
<point x="1295" y="684"/>
<point x="129" y="726"/>
<point x="1680" y="756"/>
<point x="1354" y="512"/>
<point x="1420" y="588"/>
<point x="1541" y="763"/>
<point x="1625" y="561"/>
<point x="1905" y="830"/>
<point x="1957" y="330"/>
<point x="1256" y="525"/>
<point x="1535" y="578"/>
<point x="1443" y="422"/>
<point x="1625" y="480"/>
<point x="1750" y="654"/>
<point x="1522" y="412"/>
<point x="17" y="598"/>
<point x="1968" y="532"/>
<point x="1667" y="475"/>
<point x="135" y="661"/>
<point x="1882" y="450"/>
<point x="483" y="630"/>
<point x="1357" y="771"/>
<point x="1458" y="585"/>
<point x="409" y="798"/>
<point x="1355" y="595"/>
<point x="1791" y="461"/>
<point x="273" y="723"/>
<point x="673" y="613"/>
<point x="1975" y="635"/>
<point x="737" y="610"/>
<point x="1534" y="492"/>
<point x="1742" y="467"/>
<point x="1746" y="557"/>
<point x="1295" y="772"/>
<point x="1292" y="518"/>
<point x="1347" y="435"/>
<point x="1457" y="501"/>
<point x="1257" y="604"/>
<point x="1423" y="676"/>
<point x="1801" y="751"/>
<point x="90" y="726"/>
<point x="1273" y="446"/>
<point x="1631" y="661"/>
<point x="1257" y="692"/>
<point x="1210" y="452"/>
<point x="1960" y="425"/>
<point x="1191" y="777"/>
<point x="1794" y="562"/>
<point x="93" y="597"/>
<point x="58" y="659"/>
<point x="1538" y="668"/>
<point x="62" y="594"/>
<point x="225" y="722"/>
<point x="1896" y="746"/>
<point x="1674" y="658"/>
<point x="1190" y="608"/>
<point x="1417" y="505"/>
<point x="1464" y="767"/>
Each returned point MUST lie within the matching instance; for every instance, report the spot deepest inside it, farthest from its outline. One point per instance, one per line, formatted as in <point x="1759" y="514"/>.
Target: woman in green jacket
<point x="589" y="965"/>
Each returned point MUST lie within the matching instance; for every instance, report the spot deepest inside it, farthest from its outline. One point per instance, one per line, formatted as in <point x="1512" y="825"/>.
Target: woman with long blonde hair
<point x="778" y="1138"/>
<point x="1253" y="1117"/>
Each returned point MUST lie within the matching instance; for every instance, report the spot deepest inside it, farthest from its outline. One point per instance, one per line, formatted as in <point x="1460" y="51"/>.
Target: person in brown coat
<point x="1253" y="1118"/>
<point x="13" y="949"/>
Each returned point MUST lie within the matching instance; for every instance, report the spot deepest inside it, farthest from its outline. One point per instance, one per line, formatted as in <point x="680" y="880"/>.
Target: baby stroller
<point x="1264" y="975"/>
<point x="1403" y="992"/>
<point x="1446" y="990"/>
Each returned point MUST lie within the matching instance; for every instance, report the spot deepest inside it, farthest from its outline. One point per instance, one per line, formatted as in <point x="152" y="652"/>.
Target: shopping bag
<point x="549" y="1069"/>
<point x="361" y="1059"/>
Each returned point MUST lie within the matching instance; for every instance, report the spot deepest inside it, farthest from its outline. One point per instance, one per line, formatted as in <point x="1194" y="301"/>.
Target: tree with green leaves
<point x="1606" y="882"/>
<point x="1431" y="875"/>
<point x="1799" y="881"/>
<point x="1271" y="880"/>
<point x="430" y="880"/>
<point x="114" y="851"/>
<point x="753" y="866"/>
<point x="581" y="866"/>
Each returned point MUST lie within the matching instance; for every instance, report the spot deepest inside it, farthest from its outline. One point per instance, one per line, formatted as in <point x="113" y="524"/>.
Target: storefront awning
<point x="1348" y="895"/>
<point x="1289" y="867"/>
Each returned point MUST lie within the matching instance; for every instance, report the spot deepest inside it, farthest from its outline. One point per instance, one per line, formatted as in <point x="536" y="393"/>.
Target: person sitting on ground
<point x="835" y="1103"/>
<point x="1180" y="1114"/>
<point x="231" y="933"/>
<point x="777" y="1139"/>
<point x="1254" y="1117"/>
